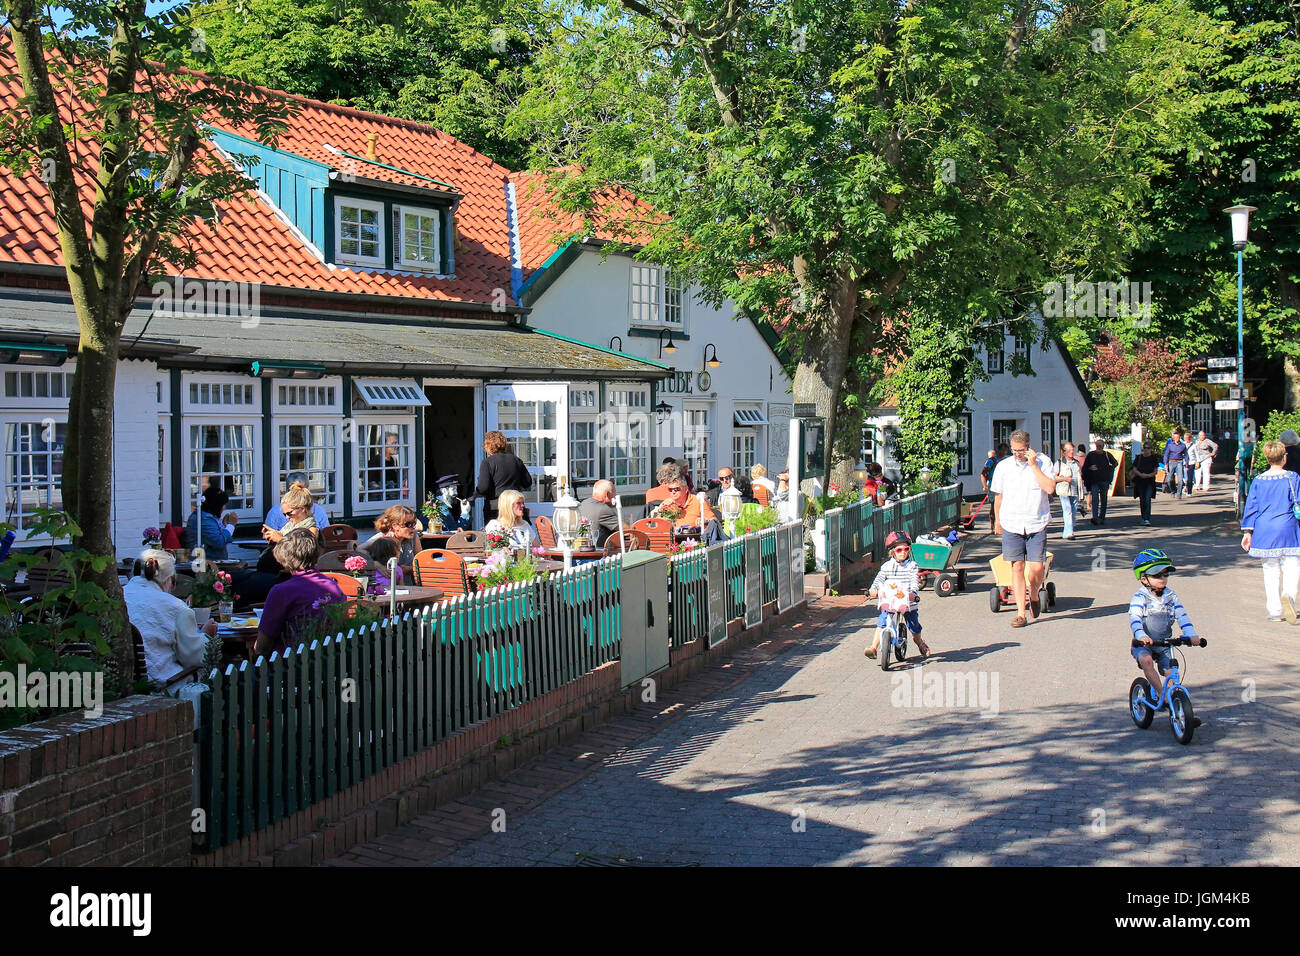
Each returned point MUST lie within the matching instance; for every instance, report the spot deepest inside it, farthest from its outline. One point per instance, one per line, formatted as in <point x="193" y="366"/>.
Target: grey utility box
<point x="645" y="615"/>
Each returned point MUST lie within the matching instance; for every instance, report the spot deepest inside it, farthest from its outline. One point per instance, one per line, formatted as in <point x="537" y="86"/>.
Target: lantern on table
<point x="729" y="502"/>
<point x="567" y="522"/>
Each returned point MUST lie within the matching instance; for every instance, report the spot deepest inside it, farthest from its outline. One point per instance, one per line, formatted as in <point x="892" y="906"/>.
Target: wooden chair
<point x="659" y="531"/>
<point x="46" y="575"/>
<point x="636" y="541"/>
<point x="349" y="585"/>
<point x="338" y="537"/>
<point x="465" y="541"/>
<point x="546" y="532"/>
<point x="762" y="495"/>
<point x="442" y="569"/>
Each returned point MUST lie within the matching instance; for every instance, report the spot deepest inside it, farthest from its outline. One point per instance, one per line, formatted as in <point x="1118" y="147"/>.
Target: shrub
<point x="1278" y="422"/>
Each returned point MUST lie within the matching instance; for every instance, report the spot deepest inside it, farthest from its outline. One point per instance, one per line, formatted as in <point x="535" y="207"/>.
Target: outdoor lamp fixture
<point x="21" y="353"/>
<point x="669" y="348"/>
<point x="567" y="522"/>
<point x="663" y="410"/>
<point x="729" y="502"/>
<point x="1240" y="216"/>
<point x="711" y="362"/>
<point x="860" y="476"/>
<point x="287" y="370"/>
<point x="620" y="342"/>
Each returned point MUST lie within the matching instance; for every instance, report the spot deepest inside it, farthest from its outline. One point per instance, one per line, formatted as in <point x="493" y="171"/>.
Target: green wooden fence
<point x="858" y="531"/>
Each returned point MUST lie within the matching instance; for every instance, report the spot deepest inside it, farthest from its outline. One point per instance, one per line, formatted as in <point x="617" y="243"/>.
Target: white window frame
<point x="360" y="507"/>
<point x="347" y="259"/>
<point x="649" y="288"/>
<point x="740" y="461"/>
<point x="399" y="239"/>
<point x="584" y="410"/>
<point x="278" y="484"/>
<point x="690" y="431"/>
<point x="67" y="370"/>
<point x="188" y="479"/>
<point x="42" y="420"/>
<point x="236" y="410"/>
<point x="384" y="393"/>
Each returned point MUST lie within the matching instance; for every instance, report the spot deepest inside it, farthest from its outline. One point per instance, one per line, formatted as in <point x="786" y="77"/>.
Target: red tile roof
<point x="544" y="227"/>
<point x="250" y="242"/>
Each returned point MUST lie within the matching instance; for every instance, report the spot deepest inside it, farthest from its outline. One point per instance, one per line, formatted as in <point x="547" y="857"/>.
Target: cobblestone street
<point x="804" y="752"/>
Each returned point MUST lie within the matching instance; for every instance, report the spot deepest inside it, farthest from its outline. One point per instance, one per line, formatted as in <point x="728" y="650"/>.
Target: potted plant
<point x="359" y="568"/>
<point x="583" y="541"/>
<point x="151" y="537"/>
<point x="495" y="541"/>
<point x="432" y="509"/>
<point x="499" y="569"/>
<point x="213" y="588"/>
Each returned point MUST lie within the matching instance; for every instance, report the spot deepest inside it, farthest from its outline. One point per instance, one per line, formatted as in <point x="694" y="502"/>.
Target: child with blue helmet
<point x="1152" y="613"/>
<point x="902" y="571"/>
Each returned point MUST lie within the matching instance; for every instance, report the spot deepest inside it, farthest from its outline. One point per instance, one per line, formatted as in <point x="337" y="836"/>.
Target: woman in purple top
<point x="1272" y="534"/>
<point x="293" y="603"/>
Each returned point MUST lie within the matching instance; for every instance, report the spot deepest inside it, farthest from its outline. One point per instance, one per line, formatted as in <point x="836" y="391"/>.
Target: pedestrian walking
<point x="1201" y="455"/>
<point x="1098" y="473"/>
<point x="1146" y="467"/>
<point x="1069" y="488"/>
<point x="1176" y="463"/>
<point x="1022" y="507"/>
<point x="1270" y="528"/>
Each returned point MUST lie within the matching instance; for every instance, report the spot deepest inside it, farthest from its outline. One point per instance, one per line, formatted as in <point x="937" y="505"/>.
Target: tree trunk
<point x="88" y="480"/>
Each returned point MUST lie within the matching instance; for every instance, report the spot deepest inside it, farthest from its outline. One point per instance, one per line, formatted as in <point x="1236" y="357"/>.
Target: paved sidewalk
<point x="809" y="754"/>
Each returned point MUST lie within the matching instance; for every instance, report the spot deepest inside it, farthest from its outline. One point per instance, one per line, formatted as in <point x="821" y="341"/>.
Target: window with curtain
<point x="227" y="456"/>
<point x="384" y="453"/>
<point x="33" y="468"/>
<point x="311" y="448"/>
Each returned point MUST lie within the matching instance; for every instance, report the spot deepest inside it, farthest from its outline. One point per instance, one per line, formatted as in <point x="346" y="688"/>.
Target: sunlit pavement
<point x="819" y="757"/>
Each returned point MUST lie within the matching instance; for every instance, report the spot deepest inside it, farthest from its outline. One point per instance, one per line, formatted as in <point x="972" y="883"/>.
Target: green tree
<point x="450" y="63"/>
<point x="127" y="140"/>
<point x="848" y="169"/>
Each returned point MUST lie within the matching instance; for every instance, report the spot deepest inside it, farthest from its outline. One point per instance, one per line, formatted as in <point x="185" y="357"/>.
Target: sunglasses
<point x="409" y="524"/>
<point x="674" y="489"/>
<point x="724" y="477"/>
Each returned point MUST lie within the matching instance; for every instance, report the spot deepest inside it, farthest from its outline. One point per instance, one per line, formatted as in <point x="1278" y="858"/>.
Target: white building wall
<point x="1022" y="400"/>
<point x="135" y="454"/>
<point x="591" y="301"/>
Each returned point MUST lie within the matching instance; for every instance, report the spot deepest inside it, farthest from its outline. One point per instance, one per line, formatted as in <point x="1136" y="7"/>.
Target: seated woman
<point x="510" y="521"/>
<point x="400" y="524"/>
<point x="382" y="550"/>
<point x="295" y="504"/>
<point x="218" y="529"/>
<point x="173" y="642"/>
<point x="294" y="605"/>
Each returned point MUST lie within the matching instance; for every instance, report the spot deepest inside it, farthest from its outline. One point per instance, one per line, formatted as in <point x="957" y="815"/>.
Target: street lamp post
<point x="1240" y="216"/>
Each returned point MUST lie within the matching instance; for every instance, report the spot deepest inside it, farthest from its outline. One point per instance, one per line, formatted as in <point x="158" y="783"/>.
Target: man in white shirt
<point x="1022" y="507"/>
<point x="1201" y="453"/>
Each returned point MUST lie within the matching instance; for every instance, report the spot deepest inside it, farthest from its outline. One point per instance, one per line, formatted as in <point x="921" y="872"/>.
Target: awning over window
<point x="746" y="417"/>
<point x="387" y="392"/>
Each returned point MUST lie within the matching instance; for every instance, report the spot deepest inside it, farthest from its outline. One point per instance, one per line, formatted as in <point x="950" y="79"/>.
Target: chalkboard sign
<point x="796" y="563"/>
<point x="753" y="581"/>
<point x="783" y="569"/>
<point x="717" y="581"/>
<point x="834" y="519"/>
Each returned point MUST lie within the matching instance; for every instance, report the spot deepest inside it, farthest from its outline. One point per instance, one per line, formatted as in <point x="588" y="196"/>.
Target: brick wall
<point x="111" y="790"/>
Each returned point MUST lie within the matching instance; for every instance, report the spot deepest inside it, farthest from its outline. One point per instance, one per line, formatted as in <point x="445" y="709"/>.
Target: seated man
<point x="686" y="511"/>
<point x="725" y="482"/>
<point x="276" y="518"/>
<point x="599" y="510"/>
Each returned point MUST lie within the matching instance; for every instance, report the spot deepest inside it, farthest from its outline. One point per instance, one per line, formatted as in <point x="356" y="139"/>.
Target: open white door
<point x="534" y="417"/>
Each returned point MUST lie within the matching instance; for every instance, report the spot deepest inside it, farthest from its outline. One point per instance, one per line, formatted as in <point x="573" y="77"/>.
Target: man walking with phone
<point x="1022" y="507"/>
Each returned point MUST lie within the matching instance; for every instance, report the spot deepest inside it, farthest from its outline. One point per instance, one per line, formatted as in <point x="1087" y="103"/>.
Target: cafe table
<point x="409" y="596"/>
<point x="436" y="539"/>
<point x="586" y="554"/>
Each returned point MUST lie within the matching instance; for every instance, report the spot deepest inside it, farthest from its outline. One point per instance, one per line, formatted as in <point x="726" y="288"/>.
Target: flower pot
<point x="581" y="544"/>
<point x="201" y="615"/>
<point x="363" y="582"/>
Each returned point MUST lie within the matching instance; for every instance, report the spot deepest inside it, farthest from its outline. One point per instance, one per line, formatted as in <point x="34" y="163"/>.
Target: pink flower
<point x="218" y="587"/>
<point x="539" y="550"/>
<point x="354" y="563"/>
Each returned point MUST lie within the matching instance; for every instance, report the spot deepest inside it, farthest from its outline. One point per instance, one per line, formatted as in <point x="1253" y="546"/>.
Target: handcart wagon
<point x="1000" y="595"/>
<point x="937" y="559"/>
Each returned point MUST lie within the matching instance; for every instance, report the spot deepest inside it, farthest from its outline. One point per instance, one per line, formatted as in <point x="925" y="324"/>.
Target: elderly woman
<point x="510" y="521"/>
<point x="1272" y="533"/>
<point x="1069" y="488"/>
<point x="502" y="470"/>
<point x="400" y="524"/>
<point x="296" y="506"/>
<point x="293" y="604"/>
<point x="173" y="642"/>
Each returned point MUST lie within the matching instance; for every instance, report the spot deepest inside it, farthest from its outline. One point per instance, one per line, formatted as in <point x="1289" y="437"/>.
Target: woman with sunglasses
<point x="296" y="506"/>
<point x="400" y="524"/>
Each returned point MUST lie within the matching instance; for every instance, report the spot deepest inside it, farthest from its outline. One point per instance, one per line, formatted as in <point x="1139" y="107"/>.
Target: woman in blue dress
<point x="1271" y="532"/>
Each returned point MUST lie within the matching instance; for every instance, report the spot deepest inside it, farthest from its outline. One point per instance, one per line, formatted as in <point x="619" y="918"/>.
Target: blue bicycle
<point x="1142" y="706"/>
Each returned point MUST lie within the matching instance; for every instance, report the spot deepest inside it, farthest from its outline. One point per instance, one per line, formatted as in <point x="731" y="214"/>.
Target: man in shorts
<point x="1022" y="508"/>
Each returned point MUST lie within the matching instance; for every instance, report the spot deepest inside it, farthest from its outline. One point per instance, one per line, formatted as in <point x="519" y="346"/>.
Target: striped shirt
<point x="907" y="574"/>
<point x="1151" y="615"/>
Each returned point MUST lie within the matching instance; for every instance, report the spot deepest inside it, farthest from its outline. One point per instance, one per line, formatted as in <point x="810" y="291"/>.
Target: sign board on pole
<point x="1234" y="394"/>
<point x="1229" y="361"/>
<point x="805" y="410"/>
<point x="1221" y="378"/>
<point x="1227" y="405"/>
<point x="812" y="448"/>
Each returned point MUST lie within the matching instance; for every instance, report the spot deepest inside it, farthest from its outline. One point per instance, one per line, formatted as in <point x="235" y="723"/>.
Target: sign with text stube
<point x="1229" y="361"/>
<point x="1222" y="378"/>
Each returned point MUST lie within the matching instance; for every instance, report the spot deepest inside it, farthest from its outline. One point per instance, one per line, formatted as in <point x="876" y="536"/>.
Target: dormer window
<point x="415" y="242"/>
<point x="360" y="236"/>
